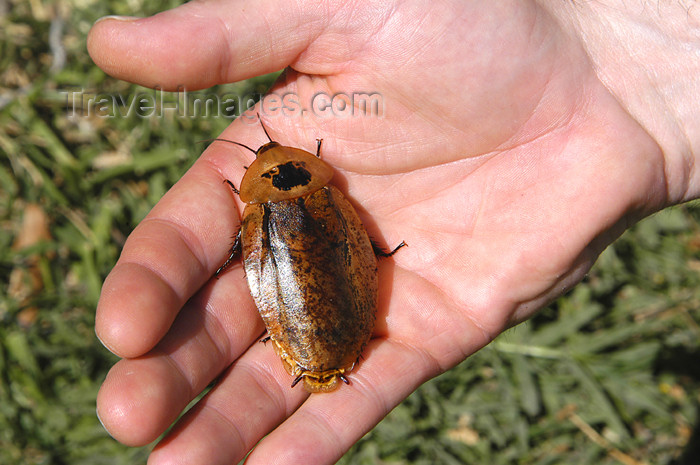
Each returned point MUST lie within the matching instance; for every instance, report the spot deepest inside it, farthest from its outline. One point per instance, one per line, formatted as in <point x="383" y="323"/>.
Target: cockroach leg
<point x="380" y="252"/>
<point x="297" y="379"/>
<point x="235" y="252"/>
<point x="233" y="188"/>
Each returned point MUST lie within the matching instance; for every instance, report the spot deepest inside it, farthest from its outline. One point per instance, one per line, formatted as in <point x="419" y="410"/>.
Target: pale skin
<point x="519" y="139"/>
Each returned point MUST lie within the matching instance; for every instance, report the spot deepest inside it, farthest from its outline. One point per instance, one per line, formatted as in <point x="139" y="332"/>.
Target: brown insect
<point x="310" y="265"/>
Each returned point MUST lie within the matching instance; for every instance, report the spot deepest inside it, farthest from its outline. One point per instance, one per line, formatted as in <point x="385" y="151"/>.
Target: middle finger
<point x="141" y="397"/>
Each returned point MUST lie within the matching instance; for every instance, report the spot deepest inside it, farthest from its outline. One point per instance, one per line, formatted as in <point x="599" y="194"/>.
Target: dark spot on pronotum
<point x="289" y="175"/>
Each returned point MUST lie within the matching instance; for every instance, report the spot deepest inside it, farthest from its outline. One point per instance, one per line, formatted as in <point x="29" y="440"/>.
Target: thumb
<point x="201" y="44"/>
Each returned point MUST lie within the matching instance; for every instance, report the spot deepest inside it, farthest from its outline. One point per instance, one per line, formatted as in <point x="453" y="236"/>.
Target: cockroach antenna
<point x="263" y="126"/>
<point x="229" y="141"/>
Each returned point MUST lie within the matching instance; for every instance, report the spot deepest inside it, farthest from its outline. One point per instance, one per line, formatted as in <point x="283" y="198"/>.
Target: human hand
<point x="501" y="158"/>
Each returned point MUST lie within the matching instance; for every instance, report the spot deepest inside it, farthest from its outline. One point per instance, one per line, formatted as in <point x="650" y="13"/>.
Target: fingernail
<point x="117" y="18"/>
<point x="97" y="414"/>
<point x="103" y="344"/>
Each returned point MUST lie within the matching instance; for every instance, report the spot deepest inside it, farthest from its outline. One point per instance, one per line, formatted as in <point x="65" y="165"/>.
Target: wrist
<point x="648" y="58"/>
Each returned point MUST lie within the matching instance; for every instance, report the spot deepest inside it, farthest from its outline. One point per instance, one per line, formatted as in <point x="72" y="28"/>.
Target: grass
<point x="609" y="374"/>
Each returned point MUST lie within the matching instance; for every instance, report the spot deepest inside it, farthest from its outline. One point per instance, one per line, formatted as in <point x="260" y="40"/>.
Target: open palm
<point x="499" y="157"/>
